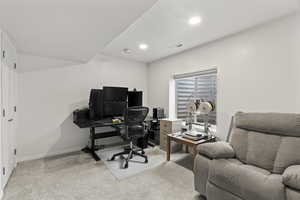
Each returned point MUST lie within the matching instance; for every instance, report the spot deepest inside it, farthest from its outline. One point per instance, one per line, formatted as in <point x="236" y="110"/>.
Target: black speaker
<point x="158" y="113"/>
<point x="80" y="116"/>
<point x="135" y="98"/>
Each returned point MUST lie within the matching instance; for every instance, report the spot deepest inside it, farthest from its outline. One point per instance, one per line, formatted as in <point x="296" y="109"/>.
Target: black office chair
<point x="134" y="128"/>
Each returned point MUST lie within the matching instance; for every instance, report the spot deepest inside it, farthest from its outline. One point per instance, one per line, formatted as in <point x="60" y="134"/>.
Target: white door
<point x="11" y="122"/>
<point x="14" y="113"/>
<point x="8" y="116"/>
<point x="6" y="143"/>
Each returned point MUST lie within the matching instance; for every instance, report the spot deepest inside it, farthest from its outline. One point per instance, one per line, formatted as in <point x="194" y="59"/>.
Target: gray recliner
<point x="260" y="162"/>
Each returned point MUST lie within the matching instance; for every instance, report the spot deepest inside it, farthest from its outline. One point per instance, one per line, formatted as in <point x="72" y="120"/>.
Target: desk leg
<point x="168" y="148"/>
<point x="92" y="137"/>
<point x="92" y="149"/>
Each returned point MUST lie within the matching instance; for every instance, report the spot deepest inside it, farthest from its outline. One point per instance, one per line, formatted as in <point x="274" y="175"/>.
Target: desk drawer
<point x="164" y="132"/>
<point x="165" y="125"/>
<point x="170" y="126"/>
<point x="163" y="140"/>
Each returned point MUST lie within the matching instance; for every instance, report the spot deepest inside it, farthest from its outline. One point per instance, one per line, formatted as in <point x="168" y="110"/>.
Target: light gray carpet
<point x="78" y="177"/>
<point x="136" y="165"/>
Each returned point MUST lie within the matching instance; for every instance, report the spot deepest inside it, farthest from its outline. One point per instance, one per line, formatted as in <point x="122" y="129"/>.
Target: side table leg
<point x="194" y="151"/>
<point x="168" y="148"/>
<point x="186" y="148"/>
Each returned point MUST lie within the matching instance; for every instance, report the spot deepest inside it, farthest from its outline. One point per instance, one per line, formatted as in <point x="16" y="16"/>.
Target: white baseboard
<point x="48" y="154"/>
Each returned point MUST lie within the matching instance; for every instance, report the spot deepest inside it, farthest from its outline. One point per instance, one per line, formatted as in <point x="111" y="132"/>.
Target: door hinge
<point x="15" y="65"/>
<point x="3" y="112"/>
<point x="15" y="152"/>
<point x="15" y="108"/>
<point x="3" y="170"/>
<point x="3" y="54"/>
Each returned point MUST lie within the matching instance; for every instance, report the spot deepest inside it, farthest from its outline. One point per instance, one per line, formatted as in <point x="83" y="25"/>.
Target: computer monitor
<point x="115" y="94"/>
<point x="114" y="101"/>
<point x="114" y="109"/>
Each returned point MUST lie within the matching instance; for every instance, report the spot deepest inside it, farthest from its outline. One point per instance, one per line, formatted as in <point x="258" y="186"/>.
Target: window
<point x="199" y="85"/>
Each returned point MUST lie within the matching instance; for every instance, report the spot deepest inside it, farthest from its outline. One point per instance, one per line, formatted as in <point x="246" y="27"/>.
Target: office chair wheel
<point x="143" y="152"/>
<point x="146" y="160"/>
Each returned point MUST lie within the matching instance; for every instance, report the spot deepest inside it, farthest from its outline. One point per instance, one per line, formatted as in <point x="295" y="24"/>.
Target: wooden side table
<point x="189" y="143"/>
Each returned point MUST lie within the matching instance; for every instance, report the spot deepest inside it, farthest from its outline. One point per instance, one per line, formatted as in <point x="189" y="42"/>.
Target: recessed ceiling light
<point x="143" y="46"/>
<point x="195" y="20"/>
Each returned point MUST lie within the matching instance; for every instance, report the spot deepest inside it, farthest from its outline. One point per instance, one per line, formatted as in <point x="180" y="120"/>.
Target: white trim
<point x="45" y="155"/>
<point x="198" y="73"/>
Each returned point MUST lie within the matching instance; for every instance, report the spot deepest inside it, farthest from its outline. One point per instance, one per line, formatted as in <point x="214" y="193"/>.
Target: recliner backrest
<point x="267" y="140"/>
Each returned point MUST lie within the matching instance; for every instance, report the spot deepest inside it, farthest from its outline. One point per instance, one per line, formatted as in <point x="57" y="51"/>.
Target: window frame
<point x="194" y="74"/>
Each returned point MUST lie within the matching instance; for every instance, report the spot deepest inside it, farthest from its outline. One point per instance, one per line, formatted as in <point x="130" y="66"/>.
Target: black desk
<point x="92" y="125"/>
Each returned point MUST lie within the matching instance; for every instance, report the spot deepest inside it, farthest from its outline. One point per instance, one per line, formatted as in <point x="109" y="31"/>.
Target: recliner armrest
<point x="216" y="150"/>
<point x="291" y="177"/>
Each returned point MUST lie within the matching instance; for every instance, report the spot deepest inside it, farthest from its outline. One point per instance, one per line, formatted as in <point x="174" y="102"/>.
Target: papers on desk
<point x="194" y="135"/>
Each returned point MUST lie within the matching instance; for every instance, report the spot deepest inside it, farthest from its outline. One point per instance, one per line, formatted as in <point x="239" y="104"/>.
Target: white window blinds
<point x="199" y="85"/>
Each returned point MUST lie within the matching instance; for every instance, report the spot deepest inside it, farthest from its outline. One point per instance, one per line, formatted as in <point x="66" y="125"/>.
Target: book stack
<point x="193" y="135"/>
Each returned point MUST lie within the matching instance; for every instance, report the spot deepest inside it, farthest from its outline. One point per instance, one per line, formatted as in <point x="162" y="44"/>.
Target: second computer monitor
<point x="115" y="93"/>
<point x="135" y="98"/>
<point x="114" y="101"/>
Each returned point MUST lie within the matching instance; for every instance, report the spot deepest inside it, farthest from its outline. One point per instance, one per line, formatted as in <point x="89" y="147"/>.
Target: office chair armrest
<point x="216" y="150"/>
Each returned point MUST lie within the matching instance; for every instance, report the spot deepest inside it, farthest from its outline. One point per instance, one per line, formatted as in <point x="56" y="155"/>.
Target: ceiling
<point x="166" y="24"/>
<point x="79" y="29"/>
<point x="68" y="29"/>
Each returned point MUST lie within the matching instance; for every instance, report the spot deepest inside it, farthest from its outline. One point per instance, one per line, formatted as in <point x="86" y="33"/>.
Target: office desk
<point x="92" y="125"/>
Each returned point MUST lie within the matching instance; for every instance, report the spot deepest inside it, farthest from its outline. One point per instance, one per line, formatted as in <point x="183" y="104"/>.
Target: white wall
<point x="297" y="91"/>
<point x="31" y="62"/>
<point x="256" y="70"/>
<point x="49" y="94"/>
<point x="295" y="52"/>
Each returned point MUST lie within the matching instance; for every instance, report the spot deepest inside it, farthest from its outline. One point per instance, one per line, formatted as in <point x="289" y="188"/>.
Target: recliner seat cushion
<point x="246" y="181"/>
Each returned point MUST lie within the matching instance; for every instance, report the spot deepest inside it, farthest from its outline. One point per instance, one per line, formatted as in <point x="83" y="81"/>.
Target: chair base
<point x="130" y="151"/>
